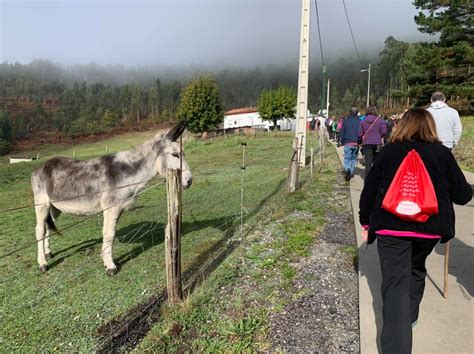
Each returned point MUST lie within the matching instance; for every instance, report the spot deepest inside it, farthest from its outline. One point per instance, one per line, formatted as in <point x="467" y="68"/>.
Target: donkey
<point x="97" y="185"/>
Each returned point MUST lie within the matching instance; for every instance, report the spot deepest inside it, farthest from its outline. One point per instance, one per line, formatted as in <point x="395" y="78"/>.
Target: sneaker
<point x="348" y="175"/>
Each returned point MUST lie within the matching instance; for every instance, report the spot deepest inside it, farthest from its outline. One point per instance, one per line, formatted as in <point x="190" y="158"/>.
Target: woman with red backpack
<point x="407" y="205"/>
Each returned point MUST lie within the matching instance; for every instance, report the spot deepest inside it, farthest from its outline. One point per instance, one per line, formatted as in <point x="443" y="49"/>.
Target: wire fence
<point x="114" y="313"/>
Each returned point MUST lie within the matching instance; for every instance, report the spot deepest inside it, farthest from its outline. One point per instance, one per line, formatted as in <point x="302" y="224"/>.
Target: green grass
<point x="464" y="152"/>
<point x="62" y="309"/>
<point x="230" y="311"/>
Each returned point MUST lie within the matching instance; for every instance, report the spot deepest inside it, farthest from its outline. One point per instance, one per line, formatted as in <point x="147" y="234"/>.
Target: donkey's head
<point x="170" y="155"/>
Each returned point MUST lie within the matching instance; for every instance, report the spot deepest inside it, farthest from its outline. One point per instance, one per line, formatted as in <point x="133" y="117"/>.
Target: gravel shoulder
<point x="325" y="318"/>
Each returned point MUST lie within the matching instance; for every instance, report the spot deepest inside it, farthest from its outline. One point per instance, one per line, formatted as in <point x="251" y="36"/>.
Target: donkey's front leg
<point x="41" y="215"/>
<point x="108" y="231"/>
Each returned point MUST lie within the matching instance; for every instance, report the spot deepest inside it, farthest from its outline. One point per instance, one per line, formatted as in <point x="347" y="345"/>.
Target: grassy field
<point x="464" y="152"/>
<point x="230" y="311"/>
<point x="62" y="309"/>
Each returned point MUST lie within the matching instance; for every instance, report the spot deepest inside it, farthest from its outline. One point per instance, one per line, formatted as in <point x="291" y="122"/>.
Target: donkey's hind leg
<point x="54" y="212"/>
<point x="108" y="231"/>
<point x="42" y="212"/>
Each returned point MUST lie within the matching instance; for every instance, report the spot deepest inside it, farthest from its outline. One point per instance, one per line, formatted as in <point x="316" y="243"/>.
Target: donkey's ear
<point x="175" y="132"/>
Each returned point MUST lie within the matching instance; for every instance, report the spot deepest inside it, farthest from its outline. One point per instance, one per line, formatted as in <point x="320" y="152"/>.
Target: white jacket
<point x="448" y="123"/>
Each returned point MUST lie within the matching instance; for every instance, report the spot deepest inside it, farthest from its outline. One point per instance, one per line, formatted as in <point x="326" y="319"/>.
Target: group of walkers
<point x="369" y="132"/>
<point x="333" y="127"/>
<point x="411" y="182"/>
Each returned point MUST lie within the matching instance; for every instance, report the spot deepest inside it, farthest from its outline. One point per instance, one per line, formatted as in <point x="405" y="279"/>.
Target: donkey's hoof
<point x="43" y="268"/>
<point x="111" y="272"/>
<point x="49" y="256"/>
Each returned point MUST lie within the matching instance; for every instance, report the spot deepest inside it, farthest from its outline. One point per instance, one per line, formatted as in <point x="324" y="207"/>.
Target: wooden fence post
<point x="173" y="237"/>
<point x="322" y="144"/>
<point x="294" y="168"/>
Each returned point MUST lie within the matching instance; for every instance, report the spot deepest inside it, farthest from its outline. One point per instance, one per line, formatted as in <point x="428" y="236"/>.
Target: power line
<point x="319" y="32"/>
<point x="350" y="29"/>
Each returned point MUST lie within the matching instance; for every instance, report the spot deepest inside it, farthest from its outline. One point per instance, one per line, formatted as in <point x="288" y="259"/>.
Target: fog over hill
<point x="194" y="34"/>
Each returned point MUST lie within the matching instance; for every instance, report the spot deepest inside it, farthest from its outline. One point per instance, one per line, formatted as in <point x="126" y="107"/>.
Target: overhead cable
<point x="350" y="29"/>
<point x="319" y="32"/>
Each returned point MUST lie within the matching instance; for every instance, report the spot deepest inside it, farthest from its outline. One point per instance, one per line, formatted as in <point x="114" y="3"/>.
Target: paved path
<point x="445" y="325"/>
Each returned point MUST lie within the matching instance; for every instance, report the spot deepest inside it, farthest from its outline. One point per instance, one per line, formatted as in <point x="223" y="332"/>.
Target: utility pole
<point x="302" y="100"/>
<point x="368" y="88"/>
<point x="323" y="92"/>
<point x="368" y="84"/>
<point x="327" y="100"/>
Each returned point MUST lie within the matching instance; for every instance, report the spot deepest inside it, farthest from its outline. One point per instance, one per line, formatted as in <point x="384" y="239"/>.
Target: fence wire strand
<point x="143" y="230"/>
<point x="87" y="218"/>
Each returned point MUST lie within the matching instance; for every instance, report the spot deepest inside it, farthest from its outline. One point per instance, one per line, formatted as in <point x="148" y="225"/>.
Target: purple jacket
<point x="374" y="135"/>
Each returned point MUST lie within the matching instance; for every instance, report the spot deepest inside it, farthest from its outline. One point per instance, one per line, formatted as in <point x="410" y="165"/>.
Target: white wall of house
<point x="254" y="120"/>
<point x="244" y="120"/>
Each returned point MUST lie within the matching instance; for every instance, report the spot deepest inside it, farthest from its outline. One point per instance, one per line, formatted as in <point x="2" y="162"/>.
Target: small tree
<point x="5" y="133"/>
<point x="136" y="101"/>
<point x="109" y="119"/>
<point x="200" y="105"/>
<point x="277" y="104"/>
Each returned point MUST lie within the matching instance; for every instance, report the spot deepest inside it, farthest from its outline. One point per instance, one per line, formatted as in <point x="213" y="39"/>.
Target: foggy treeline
<point x="89" y="99"/>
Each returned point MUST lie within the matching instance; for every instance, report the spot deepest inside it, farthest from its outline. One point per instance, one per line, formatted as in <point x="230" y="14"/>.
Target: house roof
<point x="241" y="111"/>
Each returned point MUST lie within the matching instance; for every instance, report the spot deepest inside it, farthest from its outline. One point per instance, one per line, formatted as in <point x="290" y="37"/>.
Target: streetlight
<point x="368" y="83"/>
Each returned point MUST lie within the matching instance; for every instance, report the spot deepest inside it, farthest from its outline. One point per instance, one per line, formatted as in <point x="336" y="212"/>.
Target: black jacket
<point x="448" y="181"/>
<point x="350" y="130"/>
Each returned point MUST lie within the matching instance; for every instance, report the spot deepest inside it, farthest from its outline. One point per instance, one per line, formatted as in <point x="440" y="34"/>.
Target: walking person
<point x="404" y="237"/>
<point x="328" y="124"/>
<point x="312" y="125"/>
<point x="338" y="130"/>
<point x="448" y="123"/>
<point x="371" y="132"/>
<point x="349" y="137"/>
<point x="334" y="129"/>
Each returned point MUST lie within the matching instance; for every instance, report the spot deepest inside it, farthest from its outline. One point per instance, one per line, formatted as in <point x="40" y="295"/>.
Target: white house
<point x="249" y="117"/>
<point x="244" y="117"/>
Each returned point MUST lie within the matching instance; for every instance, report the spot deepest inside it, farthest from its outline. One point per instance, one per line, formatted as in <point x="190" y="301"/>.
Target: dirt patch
<point x="322" y="315"/>
<point x="128" y="330"/>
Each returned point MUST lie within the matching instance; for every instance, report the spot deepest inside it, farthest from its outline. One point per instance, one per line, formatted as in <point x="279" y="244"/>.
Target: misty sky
<point x="193" y="32"/>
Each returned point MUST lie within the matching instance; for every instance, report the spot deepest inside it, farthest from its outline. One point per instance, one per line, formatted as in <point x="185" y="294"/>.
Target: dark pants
<point x="369" y="152"/>
<point x="329" y="129"/>
<point x="402" y="261"/>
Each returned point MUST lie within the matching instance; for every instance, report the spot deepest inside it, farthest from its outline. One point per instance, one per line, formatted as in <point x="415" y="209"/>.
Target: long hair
<point x="416" y="124"/>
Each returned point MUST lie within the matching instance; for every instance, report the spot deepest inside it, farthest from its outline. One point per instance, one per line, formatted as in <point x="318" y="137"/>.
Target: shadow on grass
<point x="84" y="246"/>
<point x="124" y="332"/>
<point x="144" y="235"/>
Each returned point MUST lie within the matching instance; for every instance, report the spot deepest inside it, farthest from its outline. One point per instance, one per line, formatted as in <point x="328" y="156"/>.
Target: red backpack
<point x="411" y="195"/>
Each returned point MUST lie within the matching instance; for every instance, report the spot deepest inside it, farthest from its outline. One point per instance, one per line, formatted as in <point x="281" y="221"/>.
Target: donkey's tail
<point x="51" y="225"/>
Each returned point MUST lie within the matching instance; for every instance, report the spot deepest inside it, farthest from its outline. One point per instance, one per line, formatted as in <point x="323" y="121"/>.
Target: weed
<point x="243" y="330"/>
<point x="352" y="251"/>
<point x="300" y="237"/>
<point x="288" y="271"/>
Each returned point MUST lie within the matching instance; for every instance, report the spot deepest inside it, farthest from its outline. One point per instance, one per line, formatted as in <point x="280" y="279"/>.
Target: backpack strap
<point x="363" y="137"/>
